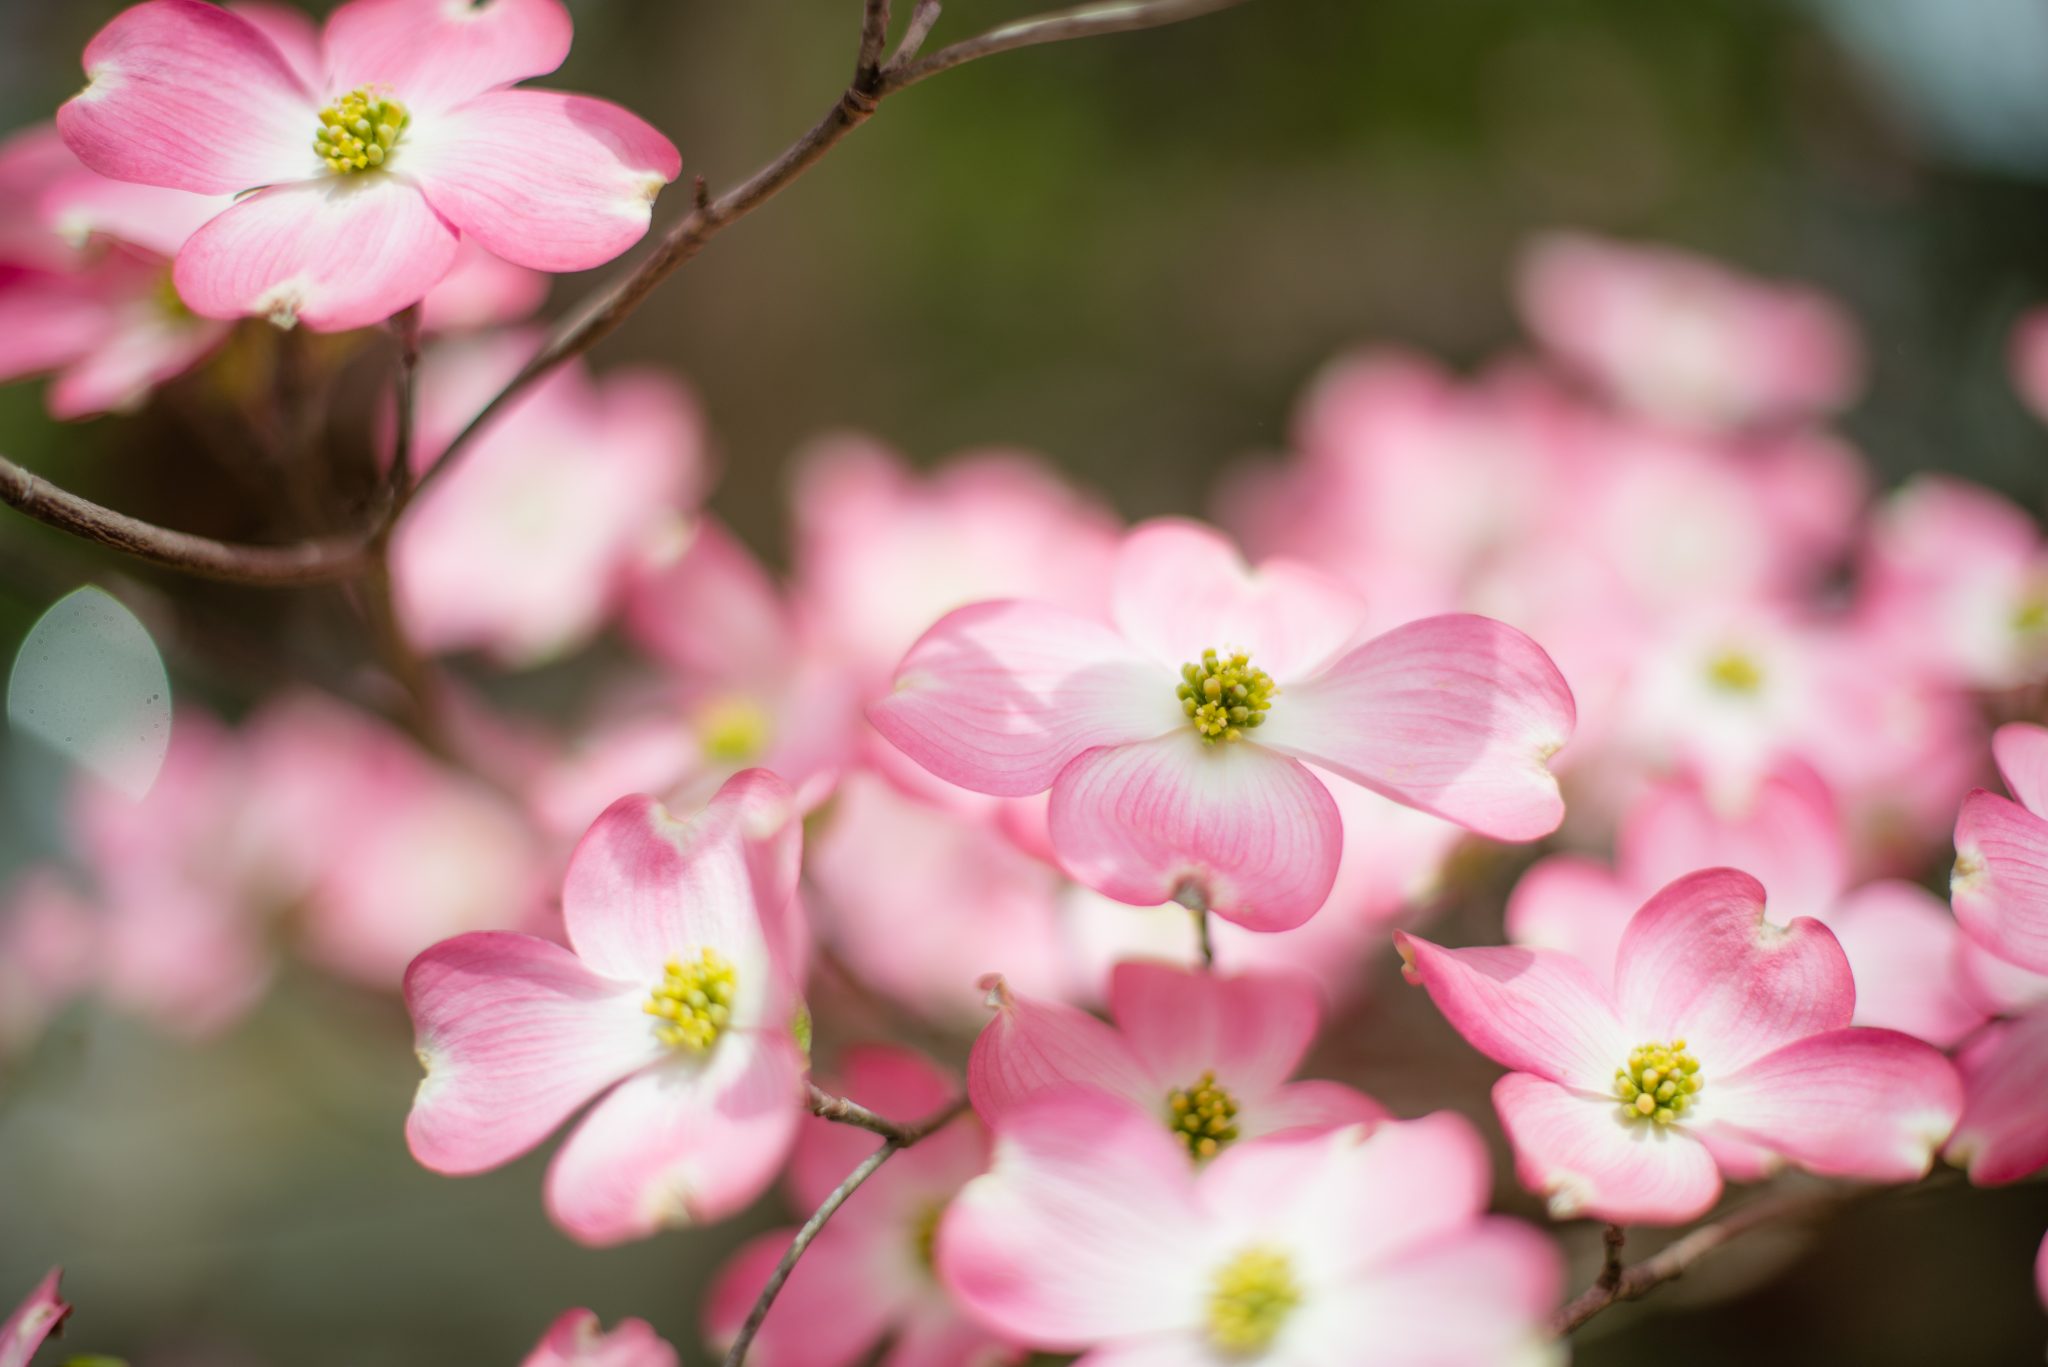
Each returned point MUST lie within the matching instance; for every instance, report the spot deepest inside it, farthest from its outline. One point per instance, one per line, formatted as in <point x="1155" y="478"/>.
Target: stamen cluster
<point x="1734" y="672"/>
<point x="358" y="131"/>
<point x="1203" y="1116"/>
<point x="1250" y="1299"/>
<point x="1224" y="696"/>
<point x="1659" y="1082"/>
<point x="693" y="1001"/>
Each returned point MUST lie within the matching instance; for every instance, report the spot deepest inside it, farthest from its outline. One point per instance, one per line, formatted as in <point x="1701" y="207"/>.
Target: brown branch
<point x="922" y="20"/>
<point x="1616" y="1283"/>
<point x="874" y="36"/>
<point x="840" y="1110"/>
<point x="1083" y="21"/>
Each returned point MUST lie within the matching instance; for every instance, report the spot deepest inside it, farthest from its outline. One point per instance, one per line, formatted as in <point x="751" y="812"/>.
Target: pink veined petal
<point x="1253" y="833"/>
<point x="2021" y="749"/>
<point x="34" y="1320"/>
<point x="1578" y="1153"/>
<point x="1789" y="838"/>
<point x="889" y="1080"/>
<point x="1574" y="905"/>
<point x="831" y="1312"/>
<point x="1313" y="1104"/>
<point x="999" y="697"/>
<point x="1999" y="888"/>
<point x="644" y="887"/>
<point x="434" y="54"/>
<point x="544" y="179"/>
<point x="514" y="1033"/>
<point x="337" y="253"/>
<point x="1457" y="715"/>
<point x="2003" y="1133"/>
<point x="1531" y="1010"/>
<point x="1252" y="1029"/>
<point x="1420" y="1311"/>
<point x="1874" y="1104"/>
<point x="1700" y="963"/>
<point x="937" y="1335"/>
<point x="1905" y="950"/>
<point x="120" y="374"/>
<point x="159" y="221"/>
<point x="1086" y="1228"/>
<point x="1180" y="588"/>
<point x="1030" y="1048"/>
<point x="292" y="32"/>
<point x="576" y="1339"/>
<point x="688" y="1142"/>
<point x="162" y="69"/>
<point x="49" y="321"/>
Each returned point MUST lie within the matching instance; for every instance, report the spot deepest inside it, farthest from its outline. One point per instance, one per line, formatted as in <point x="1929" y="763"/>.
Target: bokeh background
<point x="1130" y="255"/>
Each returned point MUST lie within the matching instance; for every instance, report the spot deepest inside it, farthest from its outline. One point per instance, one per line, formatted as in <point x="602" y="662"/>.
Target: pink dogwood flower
<point x="2003" y="1133"/>
<point x="1999" y="887"/>
<point x="1209" y="1056"/>
<point x="363" y="158"/>
<point x="33" y="1321"/>
<point x="1092" y="1233"/>
<point x="1723" y="1047"/>
<point x="869" y="1275"/>
<point x="1176" y="743"/>
<point x="675" y="1005"/>
<point x="2028" y="360"/>
<point x="576" y="1339"/>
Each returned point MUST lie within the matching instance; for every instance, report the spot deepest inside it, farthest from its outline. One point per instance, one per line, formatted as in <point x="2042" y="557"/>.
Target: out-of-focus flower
<point x="577" y="1339"/>
<point x="1902" y="945"/>
<point x="1174" y="742"/>
<point x="34" y="1320"/>
<point x="356" y="184"/>
<point x="1999" y="886"/>
<point x="869" y="1274"/>
<point x="481" y="291"/>
<point x="1092" y="1230"/>
<point x="2029" y="360"/>
<point x="1724" y="1046"/>
<point x="49" y="948"/>
<point x="529" y="543"/>
<point x="676" y="1006"/>
<point x="1209" y="1055"/>
<point x="2003" y="1134"/>
<point x="2041" y="1272"/>
<point x="1684" y="339"/>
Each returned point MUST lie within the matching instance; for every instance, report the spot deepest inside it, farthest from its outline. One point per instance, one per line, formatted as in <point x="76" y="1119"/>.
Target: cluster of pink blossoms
<point x="991" y="758"/>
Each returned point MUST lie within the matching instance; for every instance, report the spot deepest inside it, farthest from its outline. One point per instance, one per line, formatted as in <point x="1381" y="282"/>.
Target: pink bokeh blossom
<point x="576" y="1339"/>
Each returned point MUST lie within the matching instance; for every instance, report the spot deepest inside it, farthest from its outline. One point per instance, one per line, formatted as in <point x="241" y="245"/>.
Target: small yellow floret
<point x="1203" y="1116"/>
<point x="1658" y="1083"/>
<point x="1224" y="696"/>
<point x="1250" y="1299"/>
<point x="693" y="1002"/>
<point x="358" y="131"/>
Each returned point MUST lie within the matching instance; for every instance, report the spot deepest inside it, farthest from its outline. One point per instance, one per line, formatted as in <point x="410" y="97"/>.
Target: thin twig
<point x="841" y="1110"/>
<point x="1616" y="1283"/>
<point x="874" y="36"/>
<point x="1083" y="21"/>
<point x="407" y="327"/>
<point x="922" y="20"/>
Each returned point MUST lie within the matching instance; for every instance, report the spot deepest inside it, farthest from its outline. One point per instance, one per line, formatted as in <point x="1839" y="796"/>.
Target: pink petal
<point x="576" y="1339"/>
<point x="434" y="54"/>
<point x="1874" y="1104"/>
<point x="1253" y="833"/>
<point x="1087" y="1227"/>
<point x="2022" y="753"/>
<point x="1456" y="715"/>
<point x="1030" y="1048"/>
<point x="1422" y="1311"/>
<point x="337" y="253"/>
<point x="643" y="887"/>
<point x="160" y="70"/>
<point x="999" y="697"/>
<point x="1531" y="1010"/>
<point x="686" y="1143"/>
<point x="1700" y="963"/>
<point x="2003" y="1133"/>
<point x="832" y="1311"/>
<point x="544" y="179"/>
<point x="1904" y="948"/>
<point x="937" y="1335"/>
<point x="1577" y="1152"/>
<point x="1573" y="905"/>
<point x="515" y="1034"/>
<point x="1252" y="1030"/>
<point x="48" y="321"/>
<point x="85" y="204"/>
<point x="1788" y="837"/>
<point x="1312" y="1105"/>
<point x="145" y="353"/>
<point x="292" y="32"/>
<point x="2000" y="885"/>
<point x="481" y="291"/>
<point x="1180" y="588"/>
<point x="33" y="1321"/>
<point x="2041" y="1263"/>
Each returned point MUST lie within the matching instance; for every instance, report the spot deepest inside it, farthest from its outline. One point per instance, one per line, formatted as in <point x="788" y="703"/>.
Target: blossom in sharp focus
<point x="1999" y="886"/>
<point x="675" y="1005"/>
<point x="1685" y="339"/>
<point x="869" y="1274"/>
<point x="1090" y="1232"/>
<point x="34" y="1320"/>
<point x="1723" y="1047"/>
<point x="1208" y="1056"/>
<point x="577" y="1339"/>
<point x="362" y="158"/>
<point x="1174" y="741"/>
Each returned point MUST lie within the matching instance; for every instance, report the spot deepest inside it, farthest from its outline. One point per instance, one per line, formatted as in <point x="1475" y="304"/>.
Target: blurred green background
<point x="1130" y="254"/>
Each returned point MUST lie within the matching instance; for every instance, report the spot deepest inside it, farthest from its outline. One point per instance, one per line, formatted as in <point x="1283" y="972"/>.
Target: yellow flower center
<point x="1658" y="1083"/>
<point x="1204" y="1116"/>
<point x="1224" y="696"/>
<point x="1734" y="672"/>
<point x="692" y="1004"/>
<point x="2030" y="616"/>
<point x="358" y="131"/>
<point x="1250" y="1299"/>
<point x="925" y="1234"/>
<point x="734" y="730"/>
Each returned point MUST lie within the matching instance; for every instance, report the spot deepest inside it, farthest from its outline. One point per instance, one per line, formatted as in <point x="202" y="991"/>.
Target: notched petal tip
<point x="995" y="992"/>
